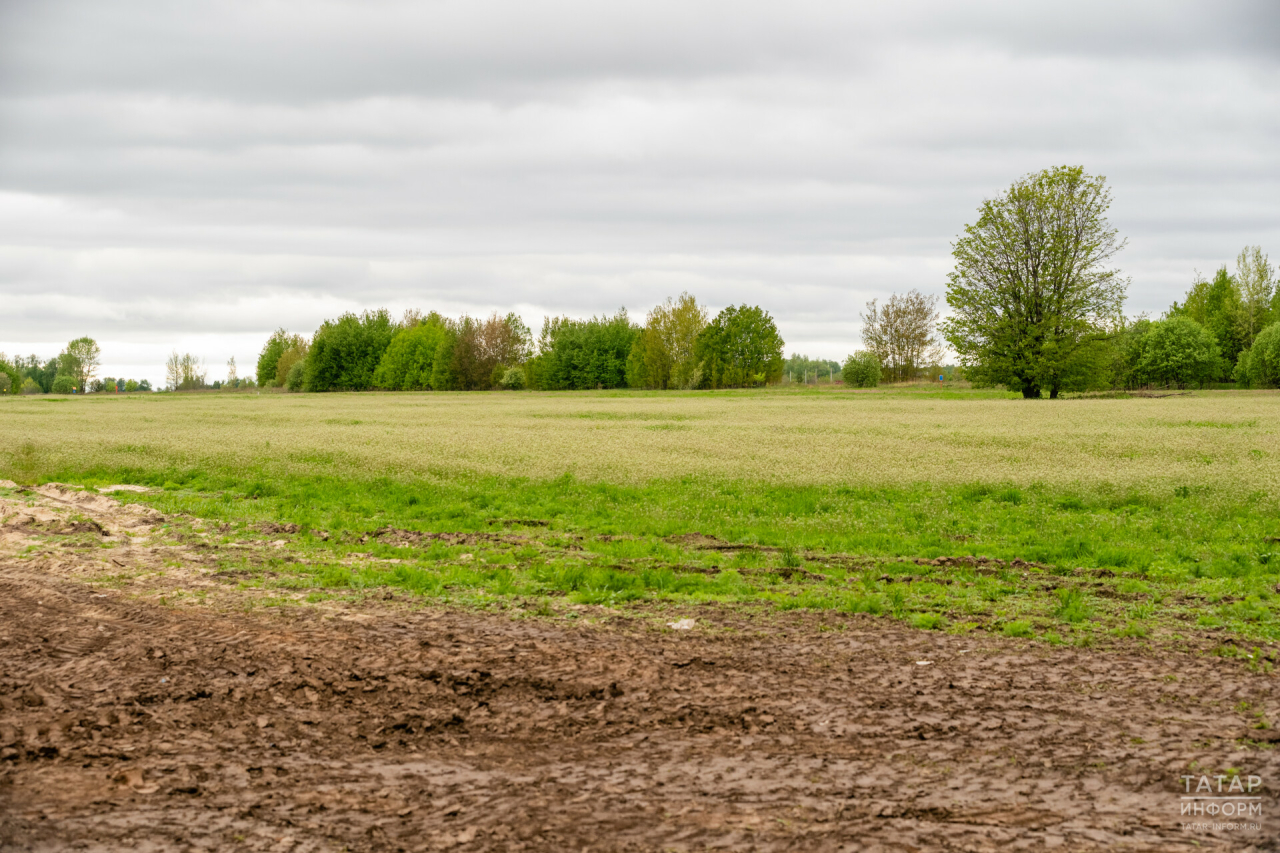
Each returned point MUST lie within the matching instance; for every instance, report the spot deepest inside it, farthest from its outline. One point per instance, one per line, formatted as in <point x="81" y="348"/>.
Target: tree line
<point x="1037" y="308"/>
<point x="73" y="371"/>
<point x="678" y="346"/>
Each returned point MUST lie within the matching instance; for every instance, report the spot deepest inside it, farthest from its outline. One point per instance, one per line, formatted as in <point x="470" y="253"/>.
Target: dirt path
<point x="125" y="724"/>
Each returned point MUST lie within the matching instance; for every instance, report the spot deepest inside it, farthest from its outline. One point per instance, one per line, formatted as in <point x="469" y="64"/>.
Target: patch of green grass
<point x="1017" y="628"/>
<point x="1072" y="605"/>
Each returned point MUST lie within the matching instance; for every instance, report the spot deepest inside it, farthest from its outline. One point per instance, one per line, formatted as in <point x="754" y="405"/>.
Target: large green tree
<point x="80" y="361"/>
<point x="1031" y="285"/>
<point x="741" y="346"/>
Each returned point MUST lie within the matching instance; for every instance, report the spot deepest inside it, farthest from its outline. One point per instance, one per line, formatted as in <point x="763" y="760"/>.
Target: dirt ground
<point x="129" y="723"/>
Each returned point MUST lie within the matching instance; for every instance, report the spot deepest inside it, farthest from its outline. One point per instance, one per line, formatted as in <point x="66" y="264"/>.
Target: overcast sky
<point x="193" y="175"/>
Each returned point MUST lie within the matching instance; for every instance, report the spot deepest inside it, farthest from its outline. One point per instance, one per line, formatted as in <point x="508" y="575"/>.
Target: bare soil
<point x="130" y="723"/>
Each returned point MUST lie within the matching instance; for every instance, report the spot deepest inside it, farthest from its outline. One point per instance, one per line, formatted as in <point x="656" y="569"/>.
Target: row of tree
<point x="73" y="371"/>
<point x="678" y="346"/>
<point x="1035" y="305"/>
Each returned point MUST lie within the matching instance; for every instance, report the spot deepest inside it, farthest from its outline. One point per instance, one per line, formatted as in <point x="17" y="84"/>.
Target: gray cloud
<point x="199" y="174"/>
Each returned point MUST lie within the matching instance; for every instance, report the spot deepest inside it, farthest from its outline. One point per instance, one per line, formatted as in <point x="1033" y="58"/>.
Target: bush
<point x="297" y="376"/>
<point x="513" y="379"/>
<point x="1259" y="366"/>
<point x="861" y="370"/>
<point x="64" y="384"/>
<point x="31" y="387"/>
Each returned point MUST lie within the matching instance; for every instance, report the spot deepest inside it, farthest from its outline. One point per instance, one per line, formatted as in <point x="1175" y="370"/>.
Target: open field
<point x="397" y="621"/>
<point x="1147" y="516"/>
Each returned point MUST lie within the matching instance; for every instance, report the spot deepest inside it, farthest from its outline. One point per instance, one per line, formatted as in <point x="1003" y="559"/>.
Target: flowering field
<point x="1224" y="442"/>
<point x="956" y="510"/>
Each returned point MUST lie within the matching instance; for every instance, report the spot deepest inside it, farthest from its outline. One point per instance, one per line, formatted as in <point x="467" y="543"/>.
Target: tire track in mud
<point x="181" y="728"/>
<point x="128" y="724"/>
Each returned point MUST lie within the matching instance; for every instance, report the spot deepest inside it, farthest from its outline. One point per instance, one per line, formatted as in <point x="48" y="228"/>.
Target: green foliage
<point x="442" y="376"/>
<point x="579" y="354"/>
<point x="861" y="370"/>
<point x="1259" y="366"/>
<point x="1029" y="287"/>
<point x="277" y="345"/>
<point x="80" y="361"/>
<point x="10" y="379"/>
<point x="740" y="347"/>
<point x="409" y="360"/>
<point x="470" y="368"/>
<point x="673" y="328"/>
<point x="1178" y="351"/>
<point x="41" y="373"/>
<point x="648" y="364"/>
<point x="513" y="379"/>
<point x="345" y="352"/>
<point x="1215" y="305"/>
<point x="30" y="386"/>
<point x="63" y="384"/>
<point x="293" y="355"/>
<point x="296" y="378"/>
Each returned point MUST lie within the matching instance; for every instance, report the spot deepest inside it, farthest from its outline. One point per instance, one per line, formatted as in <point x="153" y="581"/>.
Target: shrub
<point x="861" y="370"/>
<point x="64" y="384"/>
<point x="513" y="379"/>
<point x="30" y="387"/>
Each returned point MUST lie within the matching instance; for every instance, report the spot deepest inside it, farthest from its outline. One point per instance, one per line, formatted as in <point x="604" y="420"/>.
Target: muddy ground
<point x="128" y="723"/>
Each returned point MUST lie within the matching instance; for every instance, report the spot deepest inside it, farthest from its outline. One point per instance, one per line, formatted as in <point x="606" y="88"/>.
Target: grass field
<point x="1073" y="521"/>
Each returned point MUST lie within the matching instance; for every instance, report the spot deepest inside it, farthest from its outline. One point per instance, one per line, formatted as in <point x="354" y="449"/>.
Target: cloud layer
<point x="193" y="176"/>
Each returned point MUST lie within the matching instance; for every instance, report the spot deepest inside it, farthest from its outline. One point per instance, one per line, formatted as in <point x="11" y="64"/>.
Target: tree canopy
<point x="740" y="347"/>
<point x="1031" y="285"/>
<point x="345" y="352"/>
<point x="903" y="334"/>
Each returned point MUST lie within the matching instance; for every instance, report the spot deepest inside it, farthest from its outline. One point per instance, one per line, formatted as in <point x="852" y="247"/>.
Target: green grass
<point x="1182" y="553"/>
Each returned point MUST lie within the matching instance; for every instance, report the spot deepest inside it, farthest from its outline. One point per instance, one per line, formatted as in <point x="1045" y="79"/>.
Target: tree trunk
<point x="1053" y="392"/>
<point x="1030" y="392"/>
